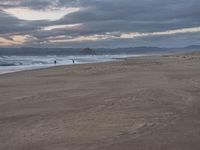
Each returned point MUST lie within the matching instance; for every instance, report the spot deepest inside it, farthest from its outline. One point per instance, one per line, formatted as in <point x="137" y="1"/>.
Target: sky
<point x="99" y="23"/>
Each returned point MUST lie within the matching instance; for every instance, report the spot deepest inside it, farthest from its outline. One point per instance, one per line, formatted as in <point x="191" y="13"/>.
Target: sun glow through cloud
<point x="69" y="26"/>
<point x="31" y="15"/>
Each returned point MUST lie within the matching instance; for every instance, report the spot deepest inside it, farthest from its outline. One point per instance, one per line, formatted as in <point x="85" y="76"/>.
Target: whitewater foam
<point x="10" y="64"/>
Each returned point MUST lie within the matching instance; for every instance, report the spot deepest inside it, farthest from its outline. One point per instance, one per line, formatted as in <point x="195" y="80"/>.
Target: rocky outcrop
<point x="88" y="51"/>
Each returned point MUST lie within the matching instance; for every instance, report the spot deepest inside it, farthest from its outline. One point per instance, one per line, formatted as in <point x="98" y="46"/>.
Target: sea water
<point x="10" y="64"/>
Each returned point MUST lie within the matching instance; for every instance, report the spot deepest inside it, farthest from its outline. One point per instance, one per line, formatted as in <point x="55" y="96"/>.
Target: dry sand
<point x="147" y="103"/>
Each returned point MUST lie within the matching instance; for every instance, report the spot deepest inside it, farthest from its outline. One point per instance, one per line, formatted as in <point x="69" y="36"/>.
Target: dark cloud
<point x="109" y="16"/>
<point x="10" y="24"/>
<point x="142" y="15"/>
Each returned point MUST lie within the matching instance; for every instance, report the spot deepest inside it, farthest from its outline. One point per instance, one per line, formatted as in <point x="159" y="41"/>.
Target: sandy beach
<point x="145" y="103"/>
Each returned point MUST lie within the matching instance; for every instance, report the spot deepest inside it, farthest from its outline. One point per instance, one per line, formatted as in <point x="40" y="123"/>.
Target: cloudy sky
<point x="99" y="23"/>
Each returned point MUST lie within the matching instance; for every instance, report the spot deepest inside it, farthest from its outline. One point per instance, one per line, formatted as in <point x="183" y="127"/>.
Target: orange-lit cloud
<point x="129" y="35"/>
<point x="16" y="40"/>
<point x="21" y="39"/>
<point x="169" y="32"/>
<point x="6" y="42"/>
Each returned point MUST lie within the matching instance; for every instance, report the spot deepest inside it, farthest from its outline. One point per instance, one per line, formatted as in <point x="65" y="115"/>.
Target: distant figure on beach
<point x="55" y="62"/>
<point x="73" y="61"/>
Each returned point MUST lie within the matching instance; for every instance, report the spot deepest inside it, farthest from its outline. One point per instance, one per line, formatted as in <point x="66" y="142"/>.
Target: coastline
<point x="29" y="68"/>
<point x="49" y="67"/>
<point x="149" y="102"/>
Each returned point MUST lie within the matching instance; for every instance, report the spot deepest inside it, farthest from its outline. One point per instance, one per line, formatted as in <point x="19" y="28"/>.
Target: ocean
<point x="10" y="64"/>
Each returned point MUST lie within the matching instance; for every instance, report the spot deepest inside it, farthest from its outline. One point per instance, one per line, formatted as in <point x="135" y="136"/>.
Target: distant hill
<point x="131" y="50"/>
<point x="29" y="51"/>
<point x="193" y="47"/>
<point x="87" y="51"/>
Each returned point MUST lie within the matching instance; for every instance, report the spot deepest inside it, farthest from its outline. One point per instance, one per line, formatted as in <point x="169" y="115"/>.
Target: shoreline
<point x="52" y="66"/>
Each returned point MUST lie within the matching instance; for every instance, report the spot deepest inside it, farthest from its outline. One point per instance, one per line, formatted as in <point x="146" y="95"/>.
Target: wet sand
<point x="146" y="103"/>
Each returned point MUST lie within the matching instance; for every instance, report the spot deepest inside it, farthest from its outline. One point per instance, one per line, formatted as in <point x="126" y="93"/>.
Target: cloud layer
<point x="99" y="23"/>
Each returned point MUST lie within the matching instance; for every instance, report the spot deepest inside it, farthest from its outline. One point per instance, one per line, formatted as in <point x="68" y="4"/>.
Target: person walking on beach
<point x="55" y="62"/>
<point x="73" y="61"/>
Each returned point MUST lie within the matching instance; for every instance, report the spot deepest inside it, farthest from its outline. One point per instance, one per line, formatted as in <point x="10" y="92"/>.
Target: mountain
<point x="87" y="51"/>
<point x="197" y="47"/>
<point x="29" y="51"/>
